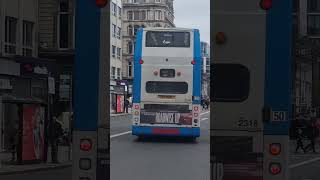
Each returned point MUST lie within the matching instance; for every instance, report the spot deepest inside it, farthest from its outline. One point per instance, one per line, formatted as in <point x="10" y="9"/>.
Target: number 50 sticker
<point x="279" y="116"/>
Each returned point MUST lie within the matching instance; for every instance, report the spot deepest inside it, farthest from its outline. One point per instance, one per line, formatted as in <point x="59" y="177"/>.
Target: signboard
<point x="279" y="116"/>
<point x="65" y="88"/>
<point x="166" y="117"/>
<point x="33" y="133"/>
<point x="5" y="84"/>
<point x="51" y="85"/>
<point x="120" y="104"/>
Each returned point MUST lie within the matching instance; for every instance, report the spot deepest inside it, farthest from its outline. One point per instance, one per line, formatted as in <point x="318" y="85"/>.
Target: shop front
<point x="117" y="99"/>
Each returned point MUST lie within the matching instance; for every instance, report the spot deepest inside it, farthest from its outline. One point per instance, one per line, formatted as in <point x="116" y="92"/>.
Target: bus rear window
<point x="167" y="39"/>
<point x="162" y="87"/>
<point x="229" y="82"/>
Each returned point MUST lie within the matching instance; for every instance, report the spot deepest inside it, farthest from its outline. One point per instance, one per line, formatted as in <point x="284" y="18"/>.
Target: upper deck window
<point x="167" y="39"/>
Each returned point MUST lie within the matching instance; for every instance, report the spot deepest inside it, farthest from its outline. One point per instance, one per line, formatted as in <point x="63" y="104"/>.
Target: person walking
<point x="126" y="105"/>
<point x="14" y="142"/>
<point x="311" y="136"/>
<point x="56" y="133"/>
<point x="299" y="136"/>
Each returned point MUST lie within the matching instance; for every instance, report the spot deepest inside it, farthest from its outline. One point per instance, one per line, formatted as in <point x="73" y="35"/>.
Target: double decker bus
<point x="167" y="83"/>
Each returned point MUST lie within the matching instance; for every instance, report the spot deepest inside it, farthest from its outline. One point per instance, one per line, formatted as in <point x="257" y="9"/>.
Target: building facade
<point x="141" y="13"/>
<point x="118" y="89"/>
<point x="24" y="79"/>
<point x="306" y="36"/>
<point x="205" y="53"/>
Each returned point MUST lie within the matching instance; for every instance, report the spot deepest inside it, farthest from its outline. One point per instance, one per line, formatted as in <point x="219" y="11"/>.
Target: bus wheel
<point x="140" y="138"/>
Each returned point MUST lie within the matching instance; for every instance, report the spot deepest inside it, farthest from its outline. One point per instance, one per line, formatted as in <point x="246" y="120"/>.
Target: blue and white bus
<point x="167" y="83"/>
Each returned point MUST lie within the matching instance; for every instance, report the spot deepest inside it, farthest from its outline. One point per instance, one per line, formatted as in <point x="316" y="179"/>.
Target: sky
<point x="193" y="14"/>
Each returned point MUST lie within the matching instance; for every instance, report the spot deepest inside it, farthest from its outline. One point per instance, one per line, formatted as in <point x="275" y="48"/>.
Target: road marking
<point x="204" y="119"/>
<point x="205" y="113"/>
<point x="120" y="134"/>
<point x="304" y="163"/>
<point x="128" y="132"/>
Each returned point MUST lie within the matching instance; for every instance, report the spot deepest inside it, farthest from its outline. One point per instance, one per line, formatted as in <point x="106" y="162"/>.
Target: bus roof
<point x="167" y="29"/>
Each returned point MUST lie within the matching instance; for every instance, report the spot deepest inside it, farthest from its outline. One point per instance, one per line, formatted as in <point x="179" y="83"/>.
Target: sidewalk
<point x="7" y="168"/>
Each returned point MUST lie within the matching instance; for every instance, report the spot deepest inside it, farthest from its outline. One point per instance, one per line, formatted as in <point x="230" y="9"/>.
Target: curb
<point x="116" y="115"/>
<point x="23" y="171"/>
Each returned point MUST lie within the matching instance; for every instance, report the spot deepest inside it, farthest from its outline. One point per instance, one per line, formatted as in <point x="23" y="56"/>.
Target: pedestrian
<point x="13" y="142"/>
<point x="311" y="136"/>
<point x="56" y="133"/>
<point x="299" y="136"/>
<point x="126" y="105"/>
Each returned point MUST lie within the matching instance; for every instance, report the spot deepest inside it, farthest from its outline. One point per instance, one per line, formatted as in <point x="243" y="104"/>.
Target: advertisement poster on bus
<point x="33" y="133"/>
<point x="120" y="103"/>
<point x="166" y="118"/>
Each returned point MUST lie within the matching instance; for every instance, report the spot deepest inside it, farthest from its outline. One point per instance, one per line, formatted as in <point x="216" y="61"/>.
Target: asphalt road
<point x="159" y="159"/>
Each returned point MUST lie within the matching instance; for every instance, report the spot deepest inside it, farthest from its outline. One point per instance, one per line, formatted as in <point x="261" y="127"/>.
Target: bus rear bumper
<point x="165" y="131"/>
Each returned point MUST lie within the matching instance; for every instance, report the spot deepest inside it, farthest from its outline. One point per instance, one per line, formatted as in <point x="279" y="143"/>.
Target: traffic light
<point x="101" y="3"/>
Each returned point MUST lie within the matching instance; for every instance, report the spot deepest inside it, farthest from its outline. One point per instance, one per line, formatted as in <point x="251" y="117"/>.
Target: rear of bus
<point x="167" y="83"/>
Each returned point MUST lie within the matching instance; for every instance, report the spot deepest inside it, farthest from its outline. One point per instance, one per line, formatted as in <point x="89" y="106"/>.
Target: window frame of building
<point x="114" y="30"/>
<point x="113" y="72"/>
<point x="64" y="32"/>
<point x="27" y="38"/>
<point x="118" y="53"/>
<point x="135" y="29"/>
<point x="149" y="15"/>
<point x="114" y="49"/>
<point x="130" y="47"/>
<point x="157" y="1"/>
<point x="118" y="73"/>
<point x="11" y="35"/>
<point x="313" y="27"/>
<point x="130" y="69"/>
<point x="130" y="15"/>
<point x="130" y="30"/>
<point x="114" y="9"/>
<point x="119" y="32"/>
<point x="313" y="6"/>
<point x="143" y="15"/>
<point x="157" y="15"/>
<point x="119" y="12"/>
<point x="136" y="15"/>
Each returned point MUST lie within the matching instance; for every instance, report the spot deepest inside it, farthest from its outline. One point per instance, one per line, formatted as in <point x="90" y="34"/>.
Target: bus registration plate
<point x="166" y="97"/>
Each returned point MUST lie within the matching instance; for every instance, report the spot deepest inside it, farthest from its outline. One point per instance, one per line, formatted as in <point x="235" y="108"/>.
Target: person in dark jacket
<point x="299" y="136"/>
<point x="56" y="133"/>
<point x="126" y="105"/>
<point x="312" y="133"/>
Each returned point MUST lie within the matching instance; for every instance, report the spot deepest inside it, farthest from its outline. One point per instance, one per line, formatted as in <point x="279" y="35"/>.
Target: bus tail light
<point x="266" y="4"/>
<point x="178" y="73"/>
<point x="136" y="107"/>
<point x="101" y="3"/>
<point x="196" y="114"/>
<point x="155" y="73"/>
<point x="195" y="120"/>
<point x="141" y="61"/>
<point x="85" y="144"/>
<point x="193" y="62"/>
<point x="275" y="168"/>
<point x="196" y="108"/>
<point x="275" y="149"/>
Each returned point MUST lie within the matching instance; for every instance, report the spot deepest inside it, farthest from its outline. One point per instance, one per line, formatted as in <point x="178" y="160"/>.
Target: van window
<point x="229" y="82"/>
